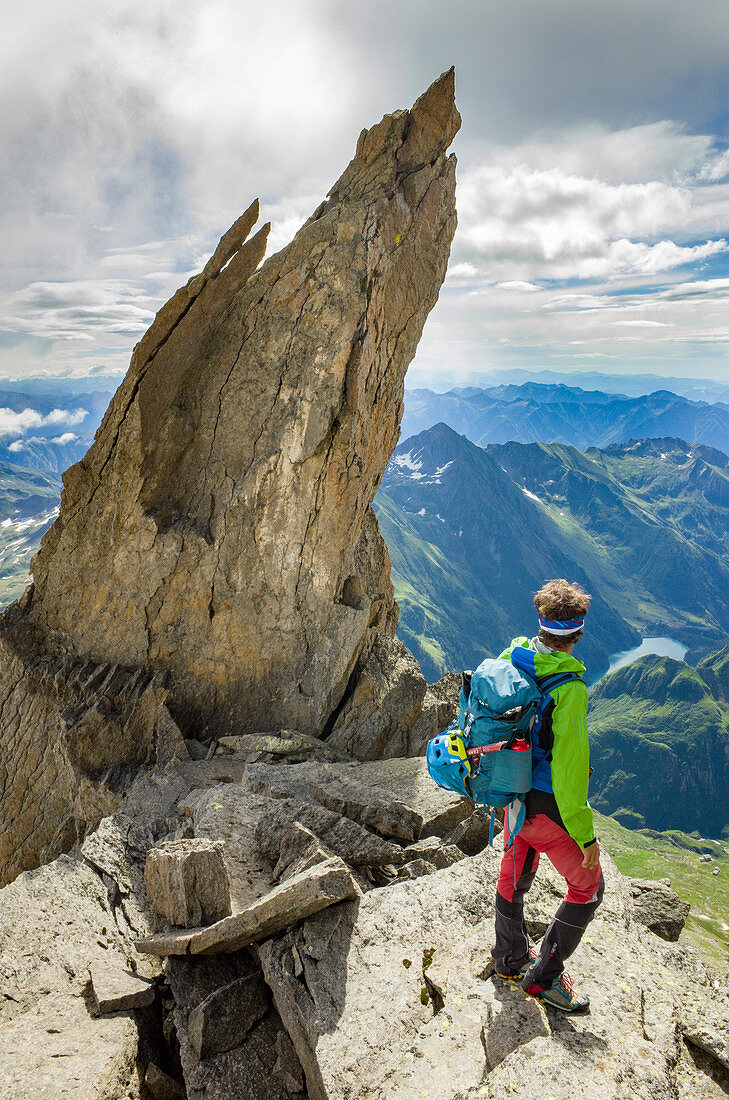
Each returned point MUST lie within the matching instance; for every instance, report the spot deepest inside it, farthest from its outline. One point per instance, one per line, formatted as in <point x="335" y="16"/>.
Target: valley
<point x="663" y="647"/>
<point x="646" y="853"/>
<point x="473" y="531"/>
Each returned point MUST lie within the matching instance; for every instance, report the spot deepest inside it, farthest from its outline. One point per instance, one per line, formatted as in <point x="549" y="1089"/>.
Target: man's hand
<point x="592" y="856"/>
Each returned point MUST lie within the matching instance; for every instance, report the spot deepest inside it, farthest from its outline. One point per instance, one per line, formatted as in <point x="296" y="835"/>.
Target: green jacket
<point x="570" y="763"/>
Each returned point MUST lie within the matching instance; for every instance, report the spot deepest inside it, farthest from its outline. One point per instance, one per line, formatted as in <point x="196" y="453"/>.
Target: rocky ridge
<point x="390" y="993"/>
<point x="219" y="528"/>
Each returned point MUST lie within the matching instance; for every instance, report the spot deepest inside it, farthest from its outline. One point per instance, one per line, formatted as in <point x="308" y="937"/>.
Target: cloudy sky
<point x="593" y="181"/>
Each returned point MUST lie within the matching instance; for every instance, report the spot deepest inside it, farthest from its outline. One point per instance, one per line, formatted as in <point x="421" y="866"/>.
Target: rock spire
<point x="219" y="528"/>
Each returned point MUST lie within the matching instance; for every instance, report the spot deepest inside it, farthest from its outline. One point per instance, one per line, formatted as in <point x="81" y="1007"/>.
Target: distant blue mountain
<point x="55" y="445"/>
<point x="634" y="385"/>
<point x="536" y="413"/>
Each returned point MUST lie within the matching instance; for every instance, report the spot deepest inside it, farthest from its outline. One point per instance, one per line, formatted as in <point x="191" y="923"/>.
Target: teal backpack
<point x="486" y="754"/>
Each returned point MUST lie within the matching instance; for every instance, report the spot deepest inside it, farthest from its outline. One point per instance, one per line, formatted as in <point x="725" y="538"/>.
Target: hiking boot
<point x="560" y="994"/>
<point x="517" y="975"/>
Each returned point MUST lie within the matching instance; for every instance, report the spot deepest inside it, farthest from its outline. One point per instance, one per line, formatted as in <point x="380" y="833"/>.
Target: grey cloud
<point x="526" y="65"/>
<point x="124" y="124"/>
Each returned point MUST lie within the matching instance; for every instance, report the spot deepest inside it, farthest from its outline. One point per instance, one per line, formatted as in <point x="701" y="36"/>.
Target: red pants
<point x="541" y="834"/>
<point x="518" y="867"/>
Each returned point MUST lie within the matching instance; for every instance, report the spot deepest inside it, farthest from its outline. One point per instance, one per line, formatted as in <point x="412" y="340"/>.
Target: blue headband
<point x="561" y="626"/>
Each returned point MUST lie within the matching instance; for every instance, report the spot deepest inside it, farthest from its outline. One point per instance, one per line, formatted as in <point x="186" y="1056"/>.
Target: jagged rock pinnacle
<point x="220" y="528"/>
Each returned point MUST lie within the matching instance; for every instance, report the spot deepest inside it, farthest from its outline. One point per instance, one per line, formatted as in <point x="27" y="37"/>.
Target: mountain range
<point x="473" y="532"/>
<point x="632" y="385"/>
<point x="45" y="427"/>
<point x="48" y="427"/>
<point x="534" y="413"/>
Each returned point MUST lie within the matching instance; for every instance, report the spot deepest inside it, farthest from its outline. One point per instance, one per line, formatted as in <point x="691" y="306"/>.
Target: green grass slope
<point x="641" y="853"/>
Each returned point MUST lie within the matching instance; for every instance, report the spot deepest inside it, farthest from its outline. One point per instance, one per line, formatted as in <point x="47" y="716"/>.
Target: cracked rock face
<point x="72" y="735"/>
<point x="220" y="526"/>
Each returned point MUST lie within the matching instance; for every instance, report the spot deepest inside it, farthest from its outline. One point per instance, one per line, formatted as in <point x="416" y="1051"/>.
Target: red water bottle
<point x="521" y="745"/>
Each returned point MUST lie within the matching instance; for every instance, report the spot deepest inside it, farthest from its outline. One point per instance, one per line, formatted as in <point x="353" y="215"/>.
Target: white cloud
<point x="79" y="310"/>
<point x="461" y="273"/>
<point x="673" y="327"/>
<point x="18" y="423"/>
<point x="661" y="150"/>
<point x="516" y="284"/>
<point x="544" y="224"/>
<point x="716" y="168"/>
<point x="640" y="324"/>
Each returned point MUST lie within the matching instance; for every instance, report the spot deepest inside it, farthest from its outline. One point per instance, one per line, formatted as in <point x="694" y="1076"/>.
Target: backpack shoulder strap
<point x="547" y="684"/>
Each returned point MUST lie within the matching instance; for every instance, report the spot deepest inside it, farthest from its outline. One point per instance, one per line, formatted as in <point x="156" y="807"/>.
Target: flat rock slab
<point x="289" y="743"/>
<point x="459" y="1046"/>
<point x="387" y="816"/>
<point x="408" y="780"/>
<point x="348" y="840"/>
<point x="187" y="881"/>
<point x="308" y="892"/>
<point x="395" y="997"/>
<point x="116" y="990"/>
<point x="57" y="1050"/>
<point x="402" y="780"/>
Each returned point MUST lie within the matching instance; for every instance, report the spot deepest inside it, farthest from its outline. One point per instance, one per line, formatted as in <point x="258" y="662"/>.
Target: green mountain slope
<point x="469" y="548"/>
<point x="657" y="509"/>
<point x="659" y="738"/>
<point x="473" y="532"/>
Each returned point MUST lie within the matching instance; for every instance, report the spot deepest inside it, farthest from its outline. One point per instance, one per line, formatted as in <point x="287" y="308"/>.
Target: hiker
<point x="559" y="820"/>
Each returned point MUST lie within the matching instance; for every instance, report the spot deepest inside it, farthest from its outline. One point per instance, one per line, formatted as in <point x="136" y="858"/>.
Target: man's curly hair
<point x="559" y="599"/>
